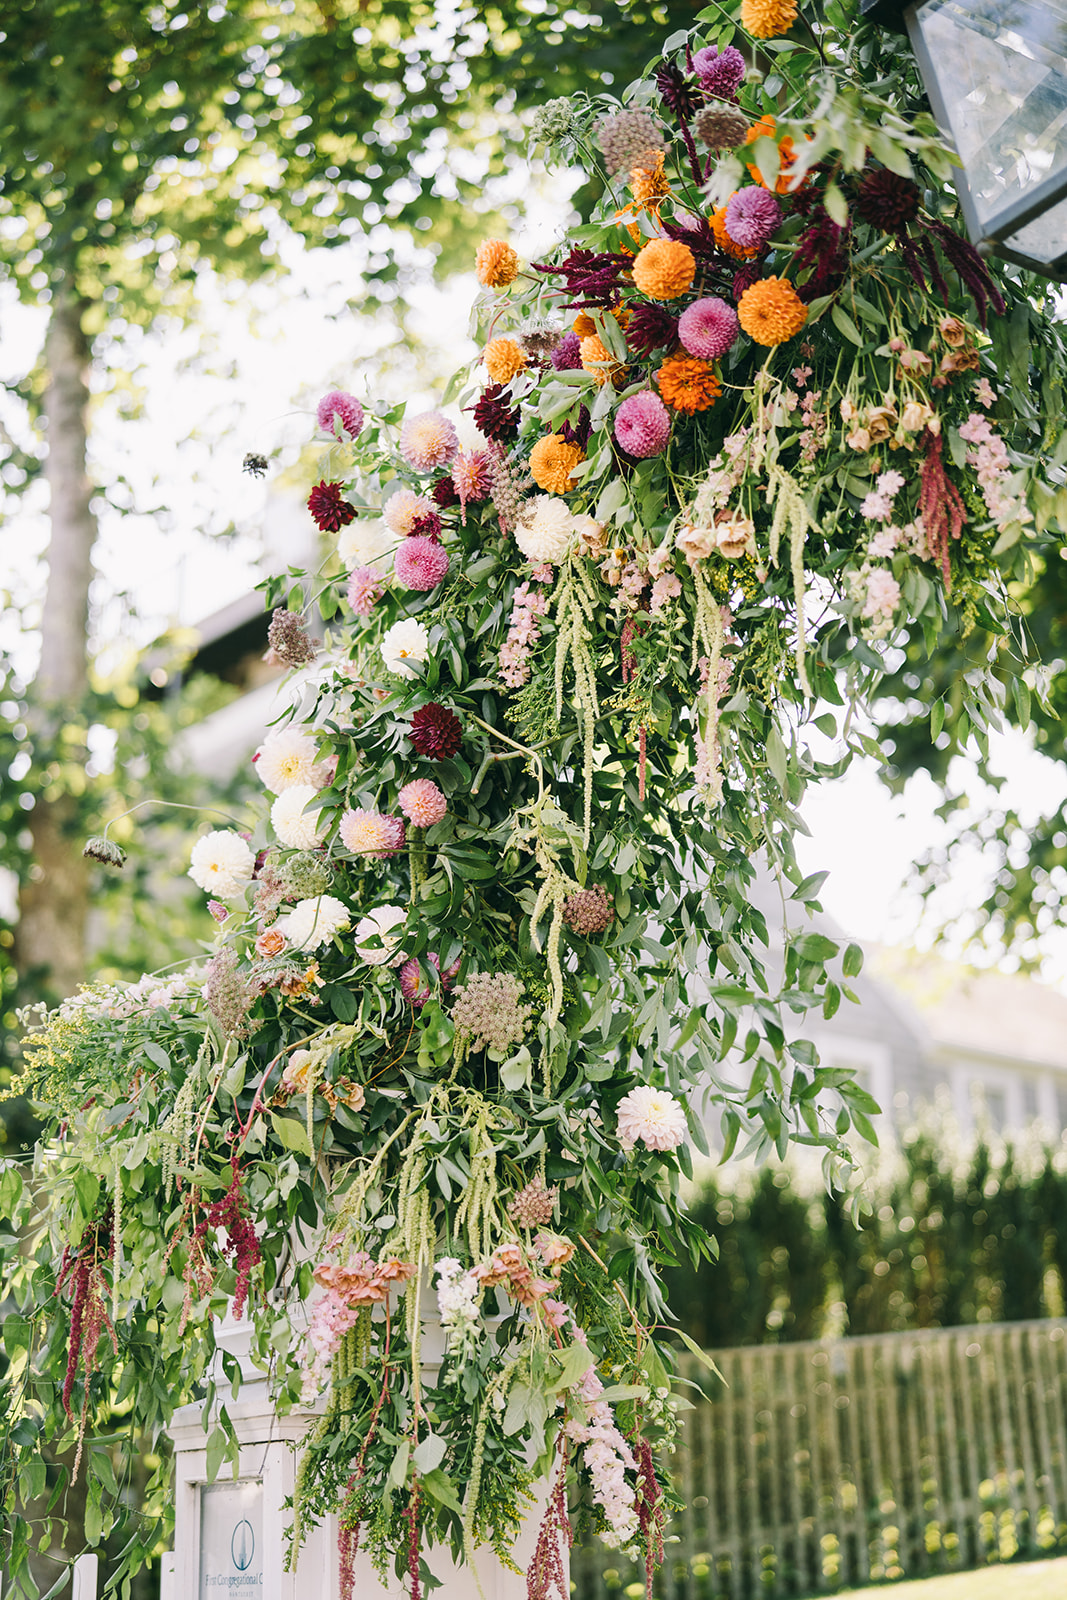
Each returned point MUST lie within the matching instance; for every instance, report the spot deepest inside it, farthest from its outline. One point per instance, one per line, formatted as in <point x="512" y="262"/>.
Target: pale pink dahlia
<point x="752" y="216"/>
<point x="372" y="833"/>
<point x="708" y="328"/>
<point x="643" y="425"/>
<point x="653" y="1116"/>
<point x="428" y="441"/>
<point x="339" y="405"/>
<point x="470" y="475"/>
<point x="420" y="563"/>
<point x="365" y="589"/>
<point x="422" y="801"/>
<point x="403" y="509"/>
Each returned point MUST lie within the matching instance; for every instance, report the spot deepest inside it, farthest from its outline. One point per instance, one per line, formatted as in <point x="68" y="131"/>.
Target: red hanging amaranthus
<point x="81" y="1272"/>
<point x="940" y="506"/>
<point x="651" y="1515"/>
<point x="546" y="1571"/>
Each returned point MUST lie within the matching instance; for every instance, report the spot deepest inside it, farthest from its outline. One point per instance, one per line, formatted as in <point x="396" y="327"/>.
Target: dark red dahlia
<point x="744" y="278"/>
<point x="494" y="416"/>
<point x="436" y="732"/>
<point x="444" y="494"/>
<point x="650" y="328"/>
<point x="427" y="527"/>
<point x="886" y="200"/>
<point x="329" y="507"/>
<point x="676" y="92"/>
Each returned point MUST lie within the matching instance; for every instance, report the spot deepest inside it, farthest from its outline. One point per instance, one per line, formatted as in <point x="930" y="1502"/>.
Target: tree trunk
<point x="53" y="907"/>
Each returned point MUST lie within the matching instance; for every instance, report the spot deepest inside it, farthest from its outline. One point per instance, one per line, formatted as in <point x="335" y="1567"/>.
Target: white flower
<point x="314" y="922"/>
<point x="404" y="508"/>
<point x="364" y="543"/>
<point x="379" y="923"/>
<point x="405" y="641"/>
<point x="294" y="827"/>
<point x="545" y="530"/>
<point x="222" y="864"/>
<point x="653" y="1116"/>
<point x="285" y="758"/>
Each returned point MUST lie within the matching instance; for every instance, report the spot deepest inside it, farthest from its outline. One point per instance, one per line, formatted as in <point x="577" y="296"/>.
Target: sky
<point x="184" y="530"/>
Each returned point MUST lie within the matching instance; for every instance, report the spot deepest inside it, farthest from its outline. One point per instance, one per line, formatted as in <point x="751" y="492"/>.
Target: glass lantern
<point x="996" y="75"/>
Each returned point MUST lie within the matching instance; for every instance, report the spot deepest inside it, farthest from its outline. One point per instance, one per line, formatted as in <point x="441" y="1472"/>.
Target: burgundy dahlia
<point x="676" y="92"/>
<point x="744" y="278"/>
<point x="886" y="200"/>
<point x="427" y="527"/>
<point x="436" y="732"/>
<point x="494" y="416"/>
<point x="443" y="493"/>
<point x="650" y="328"/>
<point x="330" y="509"/>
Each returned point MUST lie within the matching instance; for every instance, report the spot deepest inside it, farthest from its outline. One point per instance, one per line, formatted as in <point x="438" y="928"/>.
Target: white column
<point x="86" y="1568"/>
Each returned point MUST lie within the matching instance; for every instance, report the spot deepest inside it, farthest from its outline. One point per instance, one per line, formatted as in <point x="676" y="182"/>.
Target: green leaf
<point x="1021" y="696"/>
<point x="852" y="961"/>
<point x="342" y="1002"/>
<point x="937" y="719"/>
<point x="567" y="1366"/>
<point x="292" y="1134"/>
<point x="217" y="1446"/>
<point x="398" y="1470"/>
<point x="776" y="759"/>
<point x="436" y="1484"/>
<point x="156" y="1053"/>
<point x="845" y="325"/>
<point x="836" y="204"/>
<point x="429" y="1454"/>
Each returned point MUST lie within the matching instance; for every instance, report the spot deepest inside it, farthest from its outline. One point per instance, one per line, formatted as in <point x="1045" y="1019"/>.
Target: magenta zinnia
<point x="436" y="732"/>
<point x="330" y="509"/>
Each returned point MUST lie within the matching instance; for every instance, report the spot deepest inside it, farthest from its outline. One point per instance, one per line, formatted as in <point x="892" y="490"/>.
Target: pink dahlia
<point x="470" y="475"/>
<point x="420" y="563"/>
<point x="365" y="589"/>
<point x="340" y="406"/>
<point x="413" y="985"/>
<point x="372" y="833"/>
<point x="428" y="440"/>
<point x="643" y="425"/>
<point x="403" y="509"/>
<point x="422" y="801"/>
<point x="752" y="216"/>
<point x="720" y="71"/>
<point x="708" y="328"/>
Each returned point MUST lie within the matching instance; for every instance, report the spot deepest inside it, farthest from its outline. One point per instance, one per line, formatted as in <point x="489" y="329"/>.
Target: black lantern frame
<point x="999" y="230"/>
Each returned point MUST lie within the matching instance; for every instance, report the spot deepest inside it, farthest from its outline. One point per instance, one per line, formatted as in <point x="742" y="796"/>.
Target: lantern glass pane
<point x="1001" y="70"/>
<point x="1044" y="239"/>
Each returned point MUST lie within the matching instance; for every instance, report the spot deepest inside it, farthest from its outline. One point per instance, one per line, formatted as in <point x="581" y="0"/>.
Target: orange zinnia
<point x="552" y="460"/>
<point x="771" y="311"/>
<point x="583" y="325"/>
<point x="688" y="384"/>
<point x="768" y="19"/>
<point x="766" y="128"/>
<point x="496" y="264"/>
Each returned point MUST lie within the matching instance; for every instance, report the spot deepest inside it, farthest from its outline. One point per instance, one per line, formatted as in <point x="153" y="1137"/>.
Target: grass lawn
<point x="1031" y="1580"/>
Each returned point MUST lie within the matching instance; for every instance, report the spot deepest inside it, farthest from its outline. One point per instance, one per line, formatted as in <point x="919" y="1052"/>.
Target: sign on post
<point x="231" y="1540"/>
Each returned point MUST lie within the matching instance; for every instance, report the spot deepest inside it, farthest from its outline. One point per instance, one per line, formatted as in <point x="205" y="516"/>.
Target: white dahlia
<point x="405" y="641"/>
<point x="545" y="529"/>
<point x="314" y="922"/>
<point x="294" y="827"/>
<point x="365" y="544"/>
<point x="222" y="864"/>
<point x="378" y="924"/>
<point x="653" y="1116"/>
<point x="286" y="758"/>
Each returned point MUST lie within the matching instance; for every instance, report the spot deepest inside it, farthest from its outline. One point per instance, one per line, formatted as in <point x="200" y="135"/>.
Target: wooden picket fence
<point x="825" y="1466"/>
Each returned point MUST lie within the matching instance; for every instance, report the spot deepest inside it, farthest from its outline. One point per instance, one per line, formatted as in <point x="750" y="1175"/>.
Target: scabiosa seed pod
<point x="628" y="139"/>
<point x="330" y="509"/>
<point x="566" y="355"/>
<point x="428" y="440"/>
<point x="643" y="425"/>
<point x="488" y="1011"/>
<point x="708" y="327"/>
<point x="720" y="71"/>
<point x="721" y="128"/>
<point x="494" y="415"/>
<point x="886" y="200"/>
<point x="340" y="407"/>
<point x="436" y="732"/>
<point x="106" y="850"/>
<point x="533" y="1206"/>
<point x="752" y="217"/>
<point x="420" y="563"/>
<point x="287" y="636"/>
<point x="651" y="328"/>
<point x="539" y="342"/>
<point x="589" y="912"/>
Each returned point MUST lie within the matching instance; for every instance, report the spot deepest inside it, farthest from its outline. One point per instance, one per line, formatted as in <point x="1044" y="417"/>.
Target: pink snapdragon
<point x="992" y="469"/>
<point x="523" y="633"/>
<point x="883" y="595"/>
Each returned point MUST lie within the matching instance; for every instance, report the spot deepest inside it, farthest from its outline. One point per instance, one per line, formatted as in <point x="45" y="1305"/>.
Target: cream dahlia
<point x="285" y="758"/>
<point x="293" y="826"/>
<point x="403" y="509"/>
<point x="314" y="922"/>
<point x="653" y="1116"/>
<point x="222" y="864"/>
<point x="545" y="529"/>
<point x="363" y="542"/>
<point x="378" y="925"/>
<point x="406" y="641"/>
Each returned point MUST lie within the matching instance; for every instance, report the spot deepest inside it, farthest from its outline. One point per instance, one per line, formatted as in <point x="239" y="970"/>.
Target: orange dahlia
<point x="766" y="128"/>
<point x="664" y="269"/>
<point x="723" y="240"/>
<point x="688" y="384"/>
<point x="771" y="311"/>
<point x="649" y="185"/>
<point x="598" y="359"/>
<point x="504" y="359"/>
<point x="496" y="264"/>
<point x="768" y="19"/>
<point x="584" y="325"/>
<point x="552" y="460"/>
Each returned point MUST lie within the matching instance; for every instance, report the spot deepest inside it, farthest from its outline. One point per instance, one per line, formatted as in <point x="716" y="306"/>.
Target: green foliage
<point x="943" y="1244"/>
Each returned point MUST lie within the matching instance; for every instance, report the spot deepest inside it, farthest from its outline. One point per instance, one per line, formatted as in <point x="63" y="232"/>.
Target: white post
<point x="86" y="1568"/>
<point x="166" y="1576"/>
